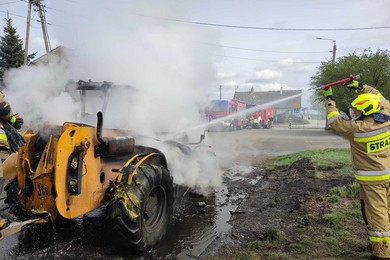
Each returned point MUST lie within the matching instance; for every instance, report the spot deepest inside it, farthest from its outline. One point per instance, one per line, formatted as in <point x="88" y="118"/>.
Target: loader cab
<point x="97" y="95"/>
<point x="93" y="97"/>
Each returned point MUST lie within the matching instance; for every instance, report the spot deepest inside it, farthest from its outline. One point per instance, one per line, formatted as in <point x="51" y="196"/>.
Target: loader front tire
<point x="12" y="200"/>
<point x="139" y="212"/>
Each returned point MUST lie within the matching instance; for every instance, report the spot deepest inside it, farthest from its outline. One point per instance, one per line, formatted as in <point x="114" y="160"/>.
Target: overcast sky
<point x="272" y="53"/>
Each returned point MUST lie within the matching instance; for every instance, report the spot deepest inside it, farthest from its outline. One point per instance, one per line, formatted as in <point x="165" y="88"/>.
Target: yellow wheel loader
<point x="70" y="170"/>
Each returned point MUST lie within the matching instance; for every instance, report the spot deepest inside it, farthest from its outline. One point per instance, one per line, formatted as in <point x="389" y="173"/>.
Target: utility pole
<point x="327" y="127"/>
<point x="220" y="92"/>
<point x="27" y="34"/>
<point x="334" y="52"/>
<point x="38" y="4"/>
<point x="334" y="48"/>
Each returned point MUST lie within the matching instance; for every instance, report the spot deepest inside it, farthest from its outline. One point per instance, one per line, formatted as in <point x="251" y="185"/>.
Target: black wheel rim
<point x="155" y="208"/>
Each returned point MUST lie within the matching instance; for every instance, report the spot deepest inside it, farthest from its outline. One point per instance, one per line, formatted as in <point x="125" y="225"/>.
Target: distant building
<point x="290" y="100"/>
<point x="59" y="53"/>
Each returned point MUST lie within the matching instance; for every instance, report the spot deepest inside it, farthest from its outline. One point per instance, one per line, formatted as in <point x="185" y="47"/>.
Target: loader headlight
<point x="74" y="163"/>
<point x="74" y="172"/>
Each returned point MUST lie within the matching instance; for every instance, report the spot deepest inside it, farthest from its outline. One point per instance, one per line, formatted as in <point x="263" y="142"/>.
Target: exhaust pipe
<point x="112" y="146"/>
<point x="99" y="127"/>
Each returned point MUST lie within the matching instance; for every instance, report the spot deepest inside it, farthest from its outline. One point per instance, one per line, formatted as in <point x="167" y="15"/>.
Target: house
<point x="58" y="53"/>
<point x="282" y="101"/>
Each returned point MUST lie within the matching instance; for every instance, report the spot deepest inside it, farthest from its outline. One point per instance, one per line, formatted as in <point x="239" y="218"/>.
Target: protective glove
<point x="328" y="93"/>
<point x="354" y="85"/>
<point x="17" y="122"/>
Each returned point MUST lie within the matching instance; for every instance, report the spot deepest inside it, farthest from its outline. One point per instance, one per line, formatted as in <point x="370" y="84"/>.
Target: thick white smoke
<point x="37" y="94"/>
<point x="163" y="61"/>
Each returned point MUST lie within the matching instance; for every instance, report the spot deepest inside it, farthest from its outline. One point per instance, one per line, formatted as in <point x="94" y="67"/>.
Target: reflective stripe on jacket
<point x="6" y="115"/>
<point x="333" y="116"/>
<point x="370" y="141"/>
<point x="3" y="139"/>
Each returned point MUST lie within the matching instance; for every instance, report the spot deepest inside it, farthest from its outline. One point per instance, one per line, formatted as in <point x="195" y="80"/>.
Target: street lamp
<point x="334" y="48"/>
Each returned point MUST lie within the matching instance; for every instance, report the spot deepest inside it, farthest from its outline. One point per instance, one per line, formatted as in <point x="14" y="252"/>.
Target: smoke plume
<point x="163" y="62"/>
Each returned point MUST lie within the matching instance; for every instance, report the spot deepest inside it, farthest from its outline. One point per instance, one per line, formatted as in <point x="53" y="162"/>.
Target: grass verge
<point x="336" y="231"/>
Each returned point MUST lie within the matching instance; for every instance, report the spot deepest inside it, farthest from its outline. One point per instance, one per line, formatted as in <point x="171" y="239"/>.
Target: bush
<point x="284" y="118"/>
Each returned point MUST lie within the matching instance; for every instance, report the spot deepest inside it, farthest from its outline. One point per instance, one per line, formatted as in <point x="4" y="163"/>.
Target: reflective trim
<point x="333" y="113"/>
<point x="333" y="119"/>
<point x="13" y="119"/>
<point x="378" y="145"/>
<point x="360" y="136"/>
<point x="3" y="137"/>
<point x="371" y="176"/>
<point x="378" y="233"/>
<point x="377" y="140"/>
<point x="379" y="239"/>
<point x="332" y="116"/>
<point x="372" y="173"/>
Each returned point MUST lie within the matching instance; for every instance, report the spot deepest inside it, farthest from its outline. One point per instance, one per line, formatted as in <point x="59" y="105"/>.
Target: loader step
<point x="15" y="227"/>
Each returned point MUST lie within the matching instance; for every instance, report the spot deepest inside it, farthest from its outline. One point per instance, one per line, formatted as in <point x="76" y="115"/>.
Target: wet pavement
<point x="198" y="222"/>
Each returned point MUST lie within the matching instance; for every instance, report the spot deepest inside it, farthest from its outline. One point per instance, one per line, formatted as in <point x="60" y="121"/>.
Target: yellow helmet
<point x="367" y="103"/>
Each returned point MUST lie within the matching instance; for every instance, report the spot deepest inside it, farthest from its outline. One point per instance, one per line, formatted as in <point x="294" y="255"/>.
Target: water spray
<point x="244" y="112"/>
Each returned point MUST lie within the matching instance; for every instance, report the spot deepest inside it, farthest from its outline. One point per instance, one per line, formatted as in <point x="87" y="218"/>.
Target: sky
<point x="181" y="54"/>
<point x="240" y="58"/>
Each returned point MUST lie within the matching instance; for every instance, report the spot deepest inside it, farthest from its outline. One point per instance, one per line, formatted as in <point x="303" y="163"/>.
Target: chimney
<point x="252" y="89"/>
<point x="281" y="90"/>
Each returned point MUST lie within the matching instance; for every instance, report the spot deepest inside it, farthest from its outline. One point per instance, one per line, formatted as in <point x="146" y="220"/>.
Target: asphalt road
<point x="232" y="148"/>
<point x="279" y="140"/>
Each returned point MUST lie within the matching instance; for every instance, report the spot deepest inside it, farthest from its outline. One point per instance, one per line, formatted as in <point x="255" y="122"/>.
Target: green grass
<point x="330" y="236"/>
<point x="351" y="191"/>
<point x="321" y="158"/>
<point x="337" y="160"/>
<point x="337" y="232"/>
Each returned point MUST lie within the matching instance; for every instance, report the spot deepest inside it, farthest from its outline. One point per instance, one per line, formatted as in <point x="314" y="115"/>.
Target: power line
<point x="11" y="2"/>
<point x="13" y="14"/>
<point x="268" y="28"/>
<point x="290" y="29"/>
<point x="257" y="50"/>
<point x="21" y="16"/>
<point x="241" y="58"/>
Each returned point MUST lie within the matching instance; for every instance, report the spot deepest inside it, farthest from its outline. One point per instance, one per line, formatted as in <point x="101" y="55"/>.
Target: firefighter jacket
<point x="5" y="115"/>
<point x="369" y="139"/>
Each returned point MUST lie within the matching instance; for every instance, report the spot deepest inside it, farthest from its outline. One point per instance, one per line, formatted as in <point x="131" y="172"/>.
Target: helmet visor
<point x="355" y="114"/>
<point x="344" y="116"/>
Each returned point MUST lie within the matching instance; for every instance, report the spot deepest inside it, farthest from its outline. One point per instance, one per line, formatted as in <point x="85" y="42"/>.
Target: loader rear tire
<point x="140" y="212"/>
<point x="12" y="200"/>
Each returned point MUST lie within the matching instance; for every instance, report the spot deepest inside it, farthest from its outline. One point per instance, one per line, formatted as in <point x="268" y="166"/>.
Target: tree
<point x="374" y="69"/>
<point x="11" y="49"/>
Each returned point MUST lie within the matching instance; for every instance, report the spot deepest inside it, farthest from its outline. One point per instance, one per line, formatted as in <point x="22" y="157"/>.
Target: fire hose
<point x="340" y="82"/>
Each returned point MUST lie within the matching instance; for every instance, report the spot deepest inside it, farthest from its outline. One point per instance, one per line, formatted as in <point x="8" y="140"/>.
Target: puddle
<point x="196" y="232"/>
<point x="226" y="204"/>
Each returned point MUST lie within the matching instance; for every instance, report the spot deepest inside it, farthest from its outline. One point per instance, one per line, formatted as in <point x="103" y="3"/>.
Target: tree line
<point x="373" y="68"/>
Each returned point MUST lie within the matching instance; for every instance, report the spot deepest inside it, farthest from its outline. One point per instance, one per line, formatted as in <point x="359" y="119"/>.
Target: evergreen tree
<point x="11" y="49"/>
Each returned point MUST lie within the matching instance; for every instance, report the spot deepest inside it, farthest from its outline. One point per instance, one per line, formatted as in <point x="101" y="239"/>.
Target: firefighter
<point x="369" y="134"/>
<point x="6" y="115"/>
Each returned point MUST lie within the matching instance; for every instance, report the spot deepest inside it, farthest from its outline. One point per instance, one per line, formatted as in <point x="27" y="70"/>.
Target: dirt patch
<point x="283" y="199"/>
